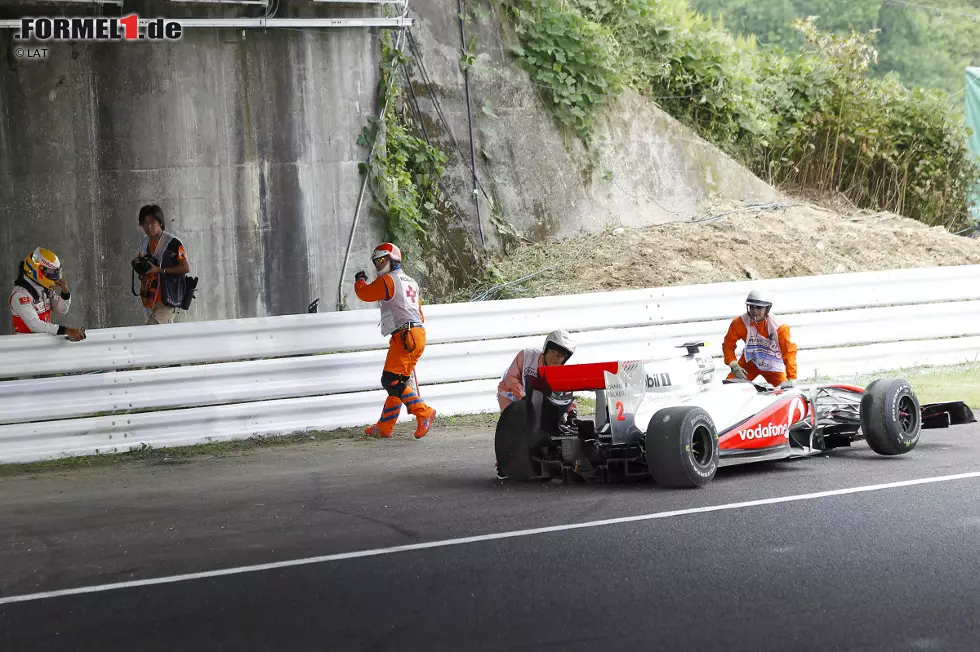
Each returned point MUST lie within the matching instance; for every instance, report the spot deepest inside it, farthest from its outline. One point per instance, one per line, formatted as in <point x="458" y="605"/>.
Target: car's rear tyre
<point x="515" y="438"/>
<point x="891" y="417"/>
<point x="682" y="447"/>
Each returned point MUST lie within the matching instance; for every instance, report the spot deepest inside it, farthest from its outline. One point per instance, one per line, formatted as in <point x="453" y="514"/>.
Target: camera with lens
<point x="145" y="263"/>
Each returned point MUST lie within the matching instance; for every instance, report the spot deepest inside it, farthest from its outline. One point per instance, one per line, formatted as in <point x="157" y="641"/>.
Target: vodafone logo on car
<point x="765" y="431"/>
<point x="796" y="411"/>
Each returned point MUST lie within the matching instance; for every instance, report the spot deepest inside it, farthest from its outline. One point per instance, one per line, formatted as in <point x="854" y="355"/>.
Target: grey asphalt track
<point x="892" y="569"/>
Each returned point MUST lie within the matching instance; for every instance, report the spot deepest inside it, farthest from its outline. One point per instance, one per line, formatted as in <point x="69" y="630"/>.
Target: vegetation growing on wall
<point x="813" y="116"/>
<point x="573" y="60"/>
<point x="404" y="170"/>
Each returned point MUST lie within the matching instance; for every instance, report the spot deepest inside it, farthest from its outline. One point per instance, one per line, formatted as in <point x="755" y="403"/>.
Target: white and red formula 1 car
<point x="670" y="419"/>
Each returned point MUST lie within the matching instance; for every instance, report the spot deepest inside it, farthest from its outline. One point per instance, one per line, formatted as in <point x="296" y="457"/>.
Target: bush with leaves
<point x="696" y="72"/>
<point x="927" y="47"/>
<point x="573" y="60"/>
<point x="881" y="144"/>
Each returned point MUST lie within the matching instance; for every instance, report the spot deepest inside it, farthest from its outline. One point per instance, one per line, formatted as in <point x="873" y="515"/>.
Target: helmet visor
<point x="52" y="273"/>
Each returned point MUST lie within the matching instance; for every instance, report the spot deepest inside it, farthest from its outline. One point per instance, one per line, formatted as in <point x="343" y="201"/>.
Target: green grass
<point x="585" y="405"/>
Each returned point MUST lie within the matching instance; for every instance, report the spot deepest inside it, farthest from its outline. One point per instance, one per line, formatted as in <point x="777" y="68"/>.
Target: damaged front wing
<point x="944" y="415"/>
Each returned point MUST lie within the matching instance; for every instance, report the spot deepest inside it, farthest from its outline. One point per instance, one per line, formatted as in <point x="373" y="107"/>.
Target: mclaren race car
<point x="671" y="419"/>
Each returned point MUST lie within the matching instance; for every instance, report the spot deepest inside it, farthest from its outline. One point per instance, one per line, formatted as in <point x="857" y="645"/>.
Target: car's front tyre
<point x="891" y="417"/>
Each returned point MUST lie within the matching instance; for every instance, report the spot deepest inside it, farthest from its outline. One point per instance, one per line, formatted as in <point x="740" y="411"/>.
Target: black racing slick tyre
<point x="515" y="438"/>
<point x="891" y="417"/>
<point x="682" y="447"/>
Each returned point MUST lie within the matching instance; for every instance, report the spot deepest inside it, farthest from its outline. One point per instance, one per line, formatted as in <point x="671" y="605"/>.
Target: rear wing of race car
<point x="591" y="376"/>
<point x="577" y="377"/>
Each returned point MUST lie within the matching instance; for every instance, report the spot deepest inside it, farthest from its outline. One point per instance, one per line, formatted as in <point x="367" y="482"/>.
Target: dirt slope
<point x="729" y="242"/>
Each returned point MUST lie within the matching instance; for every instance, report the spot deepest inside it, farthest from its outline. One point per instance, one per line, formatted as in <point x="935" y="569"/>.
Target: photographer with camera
<point x="39" y="291"/>
<point x="162" y="266"/>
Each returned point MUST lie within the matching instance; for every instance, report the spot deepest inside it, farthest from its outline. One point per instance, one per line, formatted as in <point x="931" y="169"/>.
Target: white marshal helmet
<point x="759" y="298"/>
<point x="560" y="340"/>
<point x="387" y="250"/>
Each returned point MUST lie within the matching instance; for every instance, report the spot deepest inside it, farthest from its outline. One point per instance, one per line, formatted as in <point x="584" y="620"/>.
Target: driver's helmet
<point x="561" y="341"/>
<point x="389" y="251"/>
<point x="759" y="298"/>
<point x="43" y="267"/>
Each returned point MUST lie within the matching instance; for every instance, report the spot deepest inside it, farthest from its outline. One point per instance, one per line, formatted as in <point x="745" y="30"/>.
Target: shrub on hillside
<point x="699" y="74"/>
<point x="881" y="144"/>
<point x="812" y="117"/>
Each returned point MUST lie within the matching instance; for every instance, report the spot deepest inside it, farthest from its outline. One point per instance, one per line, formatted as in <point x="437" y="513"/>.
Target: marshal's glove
<point x="786" y="384"/>
<point x="361" y="276"/>
<point x="738" y="371"/>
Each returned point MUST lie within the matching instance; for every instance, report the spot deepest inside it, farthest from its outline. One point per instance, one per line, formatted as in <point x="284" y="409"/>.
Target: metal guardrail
<point x="112" y="434"/>
<point x="214" y="384"/>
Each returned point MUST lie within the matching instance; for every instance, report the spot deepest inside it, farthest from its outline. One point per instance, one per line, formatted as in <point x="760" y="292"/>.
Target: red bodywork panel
<point x="577" y="377"/>
<point x="769" y="428"/>
<point x="850" y="388"/>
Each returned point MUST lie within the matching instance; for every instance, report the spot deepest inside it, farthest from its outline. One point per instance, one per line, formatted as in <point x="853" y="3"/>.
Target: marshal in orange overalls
<point x="774" y="358"/>
<point x="402" y="319"/>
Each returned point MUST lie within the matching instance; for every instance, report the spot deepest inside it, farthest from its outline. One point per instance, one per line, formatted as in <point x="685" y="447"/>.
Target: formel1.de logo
<point x="98" y="28"/>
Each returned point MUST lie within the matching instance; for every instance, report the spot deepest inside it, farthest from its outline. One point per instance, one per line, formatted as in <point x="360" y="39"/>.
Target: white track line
<point x="477" y="539"/>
